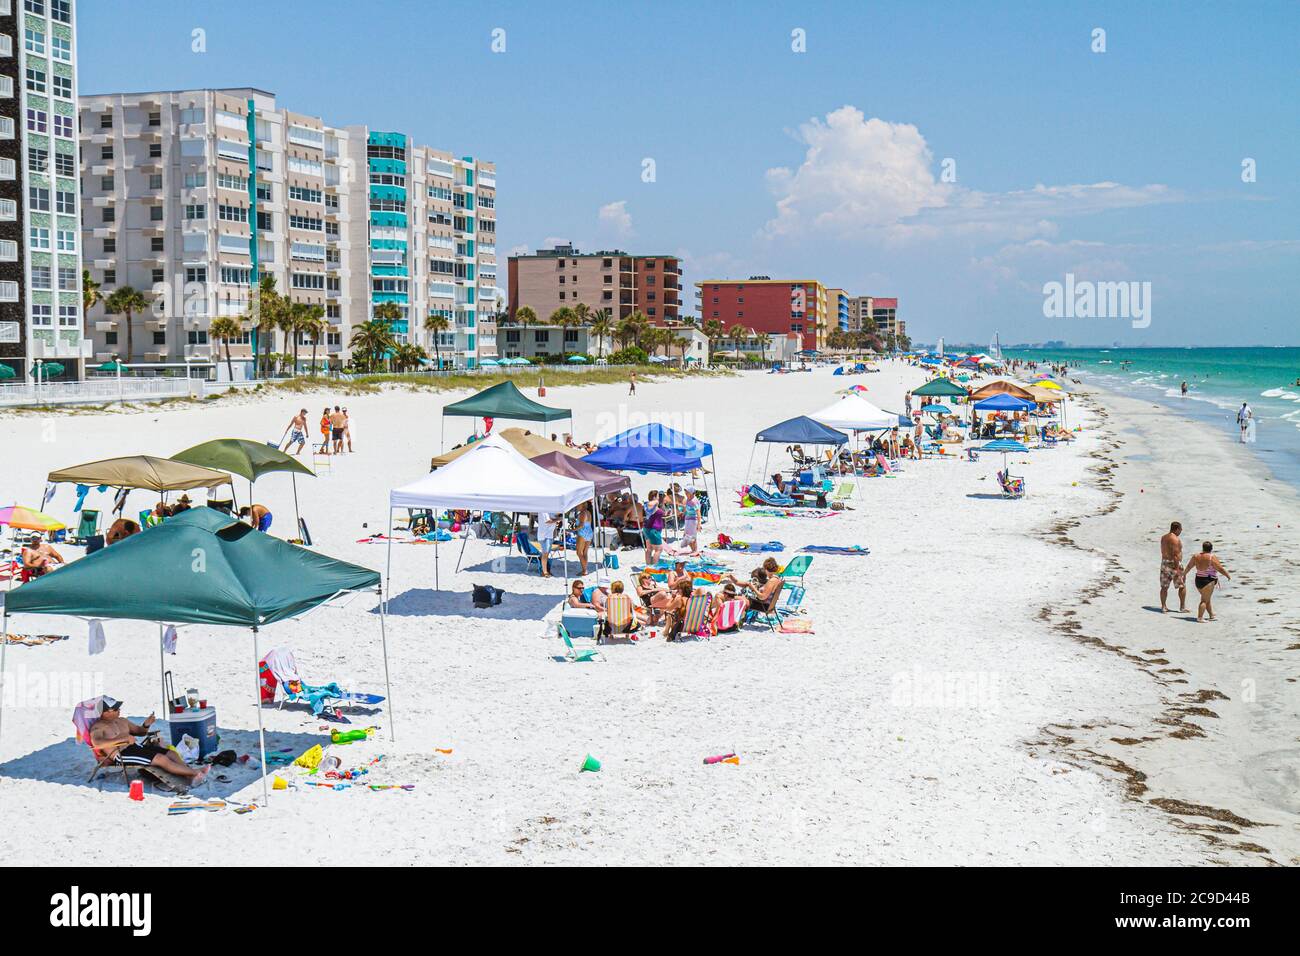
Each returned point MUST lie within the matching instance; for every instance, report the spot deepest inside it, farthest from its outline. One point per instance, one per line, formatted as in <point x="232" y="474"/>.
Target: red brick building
<point x="775" y="306"/>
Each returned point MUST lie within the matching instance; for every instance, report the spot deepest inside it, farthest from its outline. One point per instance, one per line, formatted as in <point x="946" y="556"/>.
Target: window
<point x="110" y="245"/>
<point x="155" y="150"/>
<point x="62" y="86"/>
<point x="8" y="168"/>
<point x="8" y="250"/>
<point x="38" y="160"/>
<point x="61" y="49"/>
<point x="155" y="213"/>
<point x="196" y="180"/>
<point x="65" y="164"/>
<point x="63" y="126"/>
<point x="35" y="80"/>
<point x="303" y="194"/>
<point x="196" y="274"/>
<point x="197" y="337"/>
<point x="106" y="152"/>
<point x="67" y="278"/>
<point x="65" y="202"/>
<point x="61" y="10"/>
<point x="306" y="222"/>
<point x="305" y="166"/>
<point x="232" y="213"/>
<point x="155" y="181"/>
<point x="159" y="338"/>
<point x="35" y="6"/>
<point x="37" y="120"/>
<point x="157" y="275"/>
<point x="233" y="275"/>
<point x="196" y="211"/>
<point x="67" y="240"/>
<point x="307" y="280"/>
<point x="110" y="277"/>
<point x="155" y="118"/>
<point x="106" y="183"/>
<point x="68" y="316"/>
<point x="156" y="244"/>
<point x="8" y="291"/>
<point x="105" y="120"/>
<point x="38" y="198"/>
<point x="110" y="338"/>
<point x="228" y="181"/>
<point x="42" y="315"/>
<point x="34" y="41"/>
<point x="41" y="276"/>
<point x="108" y="214"/>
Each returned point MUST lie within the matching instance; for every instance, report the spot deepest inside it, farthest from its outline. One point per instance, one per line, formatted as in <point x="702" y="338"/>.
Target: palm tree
<point x="372" y="338"/>
<point x="436" y="324"/>
<point x="291" y="323"/>
<point x="388" y="313"/>
<point x="600" y="328"/>
<point x="224" y="328"/>
<point x="127" y="301"/>
<point x="683" y="343"/>
<point x="312" y="323"/>
<point x="523" y="316"/>
<point x="563" y="317"/>
<point x="265" y="307"/>
<point x="90" y="294"/>
<point x="408" y="356"/>
<point x="736" y="333"/>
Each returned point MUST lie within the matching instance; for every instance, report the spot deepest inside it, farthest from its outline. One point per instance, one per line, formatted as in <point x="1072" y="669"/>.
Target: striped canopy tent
<point x="1001" y="387"/>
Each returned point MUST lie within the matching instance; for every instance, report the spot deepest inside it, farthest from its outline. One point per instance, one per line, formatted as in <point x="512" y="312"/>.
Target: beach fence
<point x="100" y="391"/>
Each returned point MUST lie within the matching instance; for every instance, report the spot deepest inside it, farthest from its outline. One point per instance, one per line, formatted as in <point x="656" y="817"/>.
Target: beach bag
<point x="486" y="596"/>
<point x="611" y="561"/>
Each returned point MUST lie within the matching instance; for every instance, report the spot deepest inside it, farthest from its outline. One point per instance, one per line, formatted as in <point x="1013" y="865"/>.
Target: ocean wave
<point x="1281" y="393"/>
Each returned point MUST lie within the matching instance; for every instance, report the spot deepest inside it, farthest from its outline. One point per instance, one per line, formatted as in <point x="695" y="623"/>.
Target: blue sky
<point x="1117" y="166"/>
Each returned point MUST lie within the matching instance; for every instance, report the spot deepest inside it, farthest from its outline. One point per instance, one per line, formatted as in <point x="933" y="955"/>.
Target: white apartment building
<point x="193" y="195"/>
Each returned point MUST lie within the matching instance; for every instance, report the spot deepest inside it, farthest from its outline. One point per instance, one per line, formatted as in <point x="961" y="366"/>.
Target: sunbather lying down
<point x="113" y="733"/>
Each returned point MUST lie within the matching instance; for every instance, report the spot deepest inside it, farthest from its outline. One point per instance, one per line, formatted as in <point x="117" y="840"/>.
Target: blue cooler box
<point x="199" y="724"/>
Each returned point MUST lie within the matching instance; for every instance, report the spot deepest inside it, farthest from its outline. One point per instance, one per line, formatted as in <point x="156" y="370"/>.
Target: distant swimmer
<point x="1184" y="388"/>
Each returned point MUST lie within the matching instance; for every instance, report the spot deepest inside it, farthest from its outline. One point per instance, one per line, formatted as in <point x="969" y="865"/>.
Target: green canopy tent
<point x="248" y="459"/>
<point x="941" y="388"/>
<point x="503" y="400"/>
<point x="217" y="571"/>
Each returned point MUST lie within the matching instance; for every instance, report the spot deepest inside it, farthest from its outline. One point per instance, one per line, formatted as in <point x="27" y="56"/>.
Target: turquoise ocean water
<point x="1220" y="379"/>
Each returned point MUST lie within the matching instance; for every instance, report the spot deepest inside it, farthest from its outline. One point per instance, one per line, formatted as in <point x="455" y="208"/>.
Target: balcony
<point x="105" y="325"/>
<point x="149" y="199"/>
<point x="155" y="356"/>
<point x="156" y="324"/>
<point x="150" y="164"/>
<point x="101" y="169"/>
<point x="105" y="230"/>
<point x="154" y="227"/>
<point x="103" y="200"/>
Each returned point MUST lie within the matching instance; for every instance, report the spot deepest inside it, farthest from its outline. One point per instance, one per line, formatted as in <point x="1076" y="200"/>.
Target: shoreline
<point x="1218" y="753"/>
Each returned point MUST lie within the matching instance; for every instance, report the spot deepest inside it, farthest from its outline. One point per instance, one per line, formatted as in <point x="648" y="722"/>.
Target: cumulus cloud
<point x="614" y="217"/>
<point x="869" y="178"/>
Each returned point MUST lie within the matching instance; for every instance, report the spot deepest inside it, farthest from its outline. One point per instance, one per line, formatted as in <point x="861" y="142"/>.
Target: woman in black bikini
<point x="1208" y="568"/>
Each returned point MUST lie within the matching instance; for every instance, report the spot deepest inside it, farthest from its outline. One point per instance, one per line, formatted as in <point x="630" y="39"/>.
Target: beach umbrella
<point x="48" y="370"/>
<point x="16" y="516"/>
<point x="577" y="359"/>
<point x="936" y="410"/>
<point x="489" y="362"/>
<point x="6" y="371"/>
<point x="1006" y="446"/>
<point x="111" y="367"/>
<point x="1048" y="383"/>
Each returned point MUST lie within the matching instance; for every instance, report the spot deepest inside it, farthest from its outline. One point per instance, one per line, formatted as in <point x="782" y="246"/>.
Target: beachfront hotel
<point x="193" y="194"/>
<point x="41" y="322"/>
<point x="778" y="307"/>
<point x="618" y="281"/>
<point x="873" y="313"/>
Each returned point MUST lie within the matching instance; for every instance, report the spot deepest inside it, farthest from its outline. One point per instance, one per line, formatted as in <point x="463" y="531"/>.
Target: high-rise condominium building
<point x="870" y="313"/>
<point x="192" y="196"/>
<point x="618" y="281"/>
<point x="41" y="322"/>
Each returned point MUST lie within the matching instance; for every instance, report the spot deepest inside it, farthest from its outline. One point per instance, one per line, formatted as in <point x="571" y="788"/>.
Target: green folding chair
<point x="844" y="492"/>
<point x="572" y="654"/>
<point x="797" y="568"/>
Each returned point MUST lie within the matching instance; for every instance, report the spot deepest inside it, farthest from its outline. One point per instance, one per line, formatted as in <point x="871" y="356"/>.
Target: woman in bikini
<point x="325" y="432"/>
<point x="1208" y="568"/>
<point x="586" y="534"/>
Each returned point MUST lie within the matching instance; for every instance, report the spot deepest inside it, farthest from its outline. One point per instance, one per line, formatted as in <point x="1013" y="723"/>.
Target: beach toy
<point x="279" y="783"/>
<point x="732" y="759"/>
<point x="717" y="759"/>
<point x="311" y="759"/>
<point x="137" y="789"/>
<point x="589" y="765"/>
<point x="349" y="736"/>
<point x="442" y="750"/>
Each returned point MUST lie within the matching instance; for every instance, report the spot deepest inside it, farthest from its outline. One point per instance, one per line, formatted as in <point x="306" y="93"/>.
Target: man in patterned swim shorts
<point x="1171" y="560"/>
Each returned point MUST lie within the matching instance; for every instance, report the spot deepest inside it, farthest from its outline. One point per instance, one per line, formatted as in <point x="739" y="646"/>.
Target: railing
<point x="95" y="391"/>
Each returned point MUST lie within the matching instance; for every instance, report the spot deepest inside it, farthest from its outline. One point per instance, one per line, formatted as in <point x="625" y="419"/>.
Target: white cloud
<point x="868" y="178"/>
<point x="614" y="216"/>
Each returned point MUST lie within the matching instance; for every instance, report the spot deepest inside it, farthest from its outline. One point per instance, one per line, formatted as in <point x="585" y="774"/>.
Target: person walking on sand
<point x="1208" y="568"/>
<point x="1244" y="415"/>
<point x="1171" y="566"/>
<point x="297" y="432"/>
<point x="631" y="384"/>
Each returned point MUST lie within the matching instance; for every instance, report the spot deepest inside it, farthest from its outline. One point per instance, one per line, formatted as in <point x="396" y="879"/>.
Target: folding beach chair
<point x="87" y="527"/>
<point x="797" y="568"/>
<point x="695" y="619"/>
<point x="85" y="714"/>
<point x="730" y="616"/>
<point x="783" y="604"/>
<point x="1011" y="487"/>
<point x="572" y="654"/>
<point x="529" y="550"/>
<point x="844" y="492"/>
<point x="620" y="619"/>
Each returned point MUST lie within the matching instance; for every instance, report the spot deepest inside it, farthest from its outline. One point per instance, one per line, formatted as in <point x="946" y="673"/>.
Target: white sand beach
<point x="988" y="686"/>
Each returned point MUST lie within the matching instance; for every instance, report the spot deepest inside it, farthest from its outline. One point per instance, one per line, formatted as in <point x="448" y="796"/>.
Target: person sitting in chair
<point x="113" y="733"/>
<point x="38" y="558"/>
<point x="592" y="598"/>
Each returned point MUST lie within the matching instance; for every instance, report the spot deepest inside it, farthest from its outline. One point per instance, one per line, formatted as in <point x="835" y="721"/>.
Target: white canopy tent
<point x="855" y="413"/>
<point x="492" y="476"/>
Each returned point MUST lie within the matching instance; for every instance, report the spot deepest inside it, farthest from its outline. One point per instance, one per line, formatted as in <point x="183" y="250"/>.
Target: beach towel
<point x="169" y="639"/>
<point x="729" y="615"/>
<point x="85" y="714"/>
<point x="95" y="634"/>
<point x="762" y="496"/>
<point x="796" y="625"/>
<point x="835" y="549"/>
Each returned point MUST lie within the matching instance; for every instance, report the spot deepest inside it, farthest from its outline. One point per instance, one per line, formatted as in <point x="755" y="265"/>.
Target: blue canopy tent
<point x="656" y="448"/>
<point x="800" y="430"/>
<point x="1004" y="402"/>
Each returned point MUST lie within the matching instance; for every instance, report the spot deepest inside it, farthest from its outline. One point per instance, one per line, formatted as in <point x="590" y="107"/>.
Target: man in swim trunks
<point x="259" y="516"/>
<point x="297" y="432"/>
<point x="338" y="421"/>
<point x="113" y="733"/>
<point x="1171" y="567"/>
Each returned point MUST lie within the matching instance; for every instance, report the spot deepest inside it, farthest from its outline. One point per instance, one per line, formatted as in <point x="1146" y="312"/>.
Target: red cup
<point x="203" y="705"/>
<point x="137" y="789"/>
<point x="178" y="709"/>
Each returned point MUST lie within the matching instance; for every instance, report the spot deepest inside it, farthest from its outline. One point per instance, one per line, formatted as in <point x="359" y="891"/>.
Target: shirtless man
<point x="259" y="516"/>
<point x="338" y="422"/>
<point x="39" y="557"/>
<point x="1171" y="567"/>
<point x="113" y="733"/>
<point x="297" y="431"/>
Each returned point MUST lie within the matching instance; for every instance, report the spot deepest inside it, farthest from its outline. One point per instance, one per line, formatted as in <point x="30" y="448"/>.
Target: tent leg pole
<point x="4" y="646"/>
<point x="257" y="702"/>
<point x="297" y="515"/>
<point x="714" y="460"/>
<point x="388" y="567"/>
<point x="436" y="585"/>
<point x="162" y="674"/>
<point x="461" y="557"/>
<point x="388" y="686"/>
